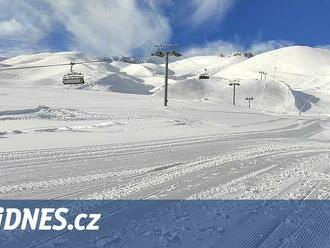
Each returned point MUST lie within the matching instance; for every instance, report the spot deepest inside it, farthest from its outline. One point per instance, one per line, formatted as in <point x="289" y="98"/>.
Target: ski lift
<point x="73" y="77"/>
<point x="204" y="75"/>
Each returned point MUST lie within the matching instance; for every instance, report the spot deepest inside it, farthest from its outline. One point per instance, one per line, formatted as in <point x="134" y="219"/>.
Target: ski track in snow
<point x="253" y="155"/>
<point x="274" y="164"/>
<point x="280" y="163"/>
<point x="120" y="183"/>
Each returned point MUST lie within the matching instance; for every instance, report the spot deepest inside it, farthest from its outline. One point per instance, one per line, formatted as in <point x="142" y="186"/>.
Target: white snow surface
<point x="304" y="68"/>
<point x="116" y="122"/>
<point x="113" y="139"/>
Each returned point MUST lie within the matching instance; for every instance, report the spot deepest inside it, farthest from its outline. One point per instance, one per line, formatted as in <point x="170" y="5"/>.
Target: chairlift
<point x="204" y="75"/>
<point x="73" y="77"/>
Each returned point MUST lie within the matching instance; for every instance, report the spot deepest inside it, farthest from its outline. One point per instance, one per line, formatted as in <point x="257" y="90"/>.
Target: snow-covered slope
<point x="120" y="64"/>
<point x="196" y="65"/>
<point x="100" y="76"/>
<point x="138" y="71"/>
<point x="269" y="95"/>
<point x="302" y="67"/>
<point x="49" y="75"/>
<point x="144" y="70"/>
<point x="297" y="77"/>
<point x="122" y="84"/>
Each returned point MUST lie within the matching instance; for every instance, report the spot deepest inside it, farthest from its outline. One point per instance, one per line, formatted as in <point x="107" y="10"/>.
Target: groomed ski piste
<point x="112" y="139"/>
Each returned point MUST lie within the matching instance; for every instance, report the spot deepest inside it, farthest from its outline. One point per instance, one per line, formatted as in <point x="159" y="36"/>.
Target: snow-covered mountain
<point x="297" y="77"/>
<point x="301" y="67"/>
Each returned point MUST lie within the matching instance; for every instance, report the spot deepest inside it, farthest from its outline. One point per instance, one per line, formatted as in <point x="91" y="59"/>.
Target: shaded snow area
<point x="112" y="139"/>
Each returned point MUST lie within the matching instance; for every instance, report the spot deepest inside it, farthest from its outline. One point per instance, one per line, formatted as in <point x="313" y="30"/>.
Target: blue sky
<point x="132" y="27"/>
<point x="299" y="21"/>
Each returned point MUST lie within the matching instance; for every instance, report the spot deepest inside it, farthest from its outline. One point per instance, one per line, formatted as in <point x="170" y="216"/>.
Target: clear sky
<point x="299" y="21"/>
<point x="132" y="27"/>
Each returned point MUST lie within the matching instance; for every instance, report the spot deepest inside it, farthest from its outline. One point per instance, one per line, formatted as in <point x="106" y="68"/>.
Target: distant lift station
<point x="204" y="75"/>
<point x="73" y="77"/>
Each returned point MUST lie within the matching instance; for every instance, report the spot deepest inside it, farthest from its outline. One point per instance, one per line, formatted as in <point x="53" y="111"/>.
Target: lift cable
<point x="92" y="61"/>
<point x="55" y="65"/>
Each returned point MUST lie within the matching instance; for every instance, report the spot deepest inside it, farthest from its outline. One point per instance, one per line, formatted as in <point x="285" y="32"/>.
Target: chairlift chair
<point x="73" y="77"/>
<point x="204" y="75"/>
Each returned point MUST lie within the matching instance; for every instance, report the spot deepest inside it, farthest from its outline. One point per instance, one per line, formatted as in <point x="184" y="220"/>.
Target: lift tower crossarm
<point x="234" y="83"/>
<point x="166" y="53"/>
<point x="249" y="99"/>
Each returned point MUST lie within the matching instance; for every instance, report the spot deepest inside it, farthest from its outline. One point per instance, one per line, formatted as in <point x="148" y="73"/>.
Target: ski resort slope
<point x="123" y="101"/>
<point x="196" y="65"/>
<point x="271" y="96"/>
<point x="87" y="144"/>
<point x="38" y="74"/>
<point x="303" y="68"/>
<point x="98" y="76"/>
<point x="112" y="139"/>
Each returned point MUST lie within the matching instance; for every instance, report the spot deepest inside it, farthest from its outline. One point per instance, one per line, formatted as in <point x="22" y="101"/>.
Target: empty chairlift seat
<point x="73" y="77"/>
<point x="204" y="75"/>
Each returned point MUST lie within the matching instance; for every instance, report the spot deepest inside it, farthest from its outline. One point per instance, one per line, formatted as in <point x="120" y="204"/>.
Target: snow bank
<point x="47" y="113"/>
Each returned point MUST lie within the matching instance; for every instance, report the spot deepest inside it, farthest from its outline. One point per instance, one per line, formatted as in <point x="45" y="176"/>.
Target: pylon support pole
<point x="166" y="80"/>
<point x="234" y="84"/>
<point x="166" y="53"/>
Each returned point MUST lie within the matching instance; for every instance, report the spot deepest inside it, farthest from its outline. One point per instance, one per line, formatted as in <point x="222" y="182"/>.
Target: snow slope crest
<point x="301" y="67"/>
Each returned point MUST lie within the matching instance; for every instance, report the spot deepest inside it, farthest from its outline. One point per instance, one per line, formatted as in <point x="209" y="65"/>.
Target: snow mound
<point x="137" y="70"/>
<point x="302" y="67"/>
<point x="47" y="113"/>
<point x="122" y="84"/>
<point x="269" y="96"/>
